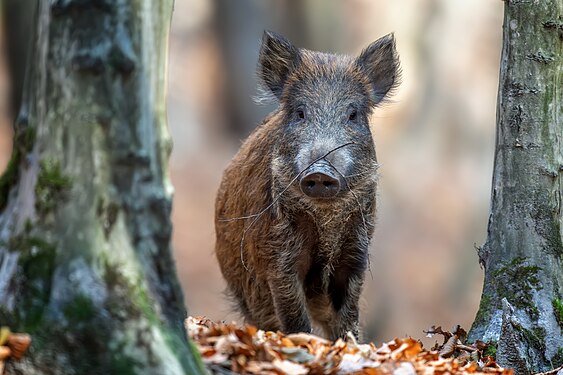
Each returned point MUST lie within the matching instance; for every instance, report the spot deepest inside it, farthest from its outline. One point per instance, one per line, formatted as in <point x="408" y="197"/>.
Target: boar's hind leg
<point x="345" y="288"/>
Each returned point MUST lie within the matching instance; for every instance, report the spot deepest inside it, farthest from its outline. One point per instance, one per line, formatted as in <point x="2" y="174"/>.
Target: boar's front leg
<point x="345" y="295"/>
<point x="289" y="302"/>
<point x="284" y="282"/>
<point x="345" y="288"/>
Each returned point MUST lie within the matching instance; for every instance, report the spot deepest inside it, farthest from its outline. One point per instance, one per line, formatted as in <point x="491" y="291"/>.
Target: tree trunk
<point x="85" y="259"/>
<point x="522" y="256"/>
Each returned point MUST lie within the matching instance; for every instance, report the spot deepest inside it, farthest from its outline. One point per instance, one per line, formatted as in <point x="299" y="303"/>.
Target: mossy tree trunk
<point x="85" y="259"/>
<point x="522" y="256"/>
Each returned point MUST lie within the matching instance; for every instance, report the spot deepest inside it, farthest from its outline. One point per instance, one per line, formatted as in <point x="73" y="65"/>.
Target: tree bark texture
<point x="85" y="259"/>
<point x="521" y="305"/>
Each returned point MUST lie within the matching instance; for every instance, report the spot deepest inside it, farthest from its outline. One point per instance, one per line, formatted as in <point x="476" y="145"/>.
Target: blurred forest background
<point x="435" y="142"/>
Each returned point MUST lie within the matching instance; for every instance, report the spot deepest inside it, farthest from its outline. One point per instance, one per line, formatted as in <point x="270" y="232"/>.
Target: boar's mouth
<point x="320" y="181"/>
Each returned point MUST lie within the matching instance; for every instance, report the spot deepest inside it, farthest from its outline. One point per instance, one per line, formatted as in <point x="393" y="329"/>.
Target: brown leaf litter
<point x="12" y="345"/>
<point x="228" y="348"/>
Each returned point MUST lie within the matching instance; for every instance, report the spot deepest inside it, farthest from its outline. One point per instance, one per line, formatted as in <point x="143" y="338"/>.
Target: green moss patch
<point x="25" y="139"/>
<point x="484" y="309"/>
<point x="123" y="364"/>
<point x="131" y="297"/>
<point x="535" y="337"/>
<point x="90" y="337"/>
<point x="491" y="350"/>
<point x="36" y="262"/>
<point x="79" y="310"/>
<point x="516" y="280"/>
<point x="52" y="187"/>
<point x="558" y="311"/>
<point x="23" y="143"/>
<point x="557" y="359"/>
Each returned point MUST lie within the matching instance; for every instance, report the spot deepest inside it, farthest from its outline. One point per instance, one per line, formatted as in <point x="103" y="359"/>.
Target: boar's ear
<point x="278" y="58"/>
<point x="381" y="64"/>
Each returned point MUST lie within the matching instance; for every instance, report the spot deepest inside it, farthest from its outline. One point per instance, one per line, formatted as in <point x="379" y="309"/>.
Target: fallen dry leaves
<point x="227" y="348"/>
<point x="12" y="345"/>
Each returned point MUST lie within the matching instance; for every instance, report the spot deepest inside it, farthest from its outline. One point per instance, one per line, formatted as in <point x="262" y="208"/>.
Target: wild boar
<point x="296" y="207"/>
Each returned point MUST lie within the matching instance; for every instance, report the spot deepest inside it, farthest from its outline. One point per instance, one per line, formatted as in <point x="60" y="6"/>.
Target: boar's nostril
<point x="319" y="185"/>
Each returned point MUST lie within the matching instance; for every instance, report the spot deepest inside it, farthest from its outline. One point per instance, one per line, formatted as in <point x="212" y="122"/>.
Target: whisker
<point x="257" y="215"/>
<point x="368" y="171"/>
<point x="288" y="185"/>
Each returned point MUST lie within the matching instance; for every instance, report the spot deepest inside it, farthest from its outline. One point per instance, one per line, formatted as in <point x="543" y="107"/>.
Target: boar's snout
<point x="320" y="181"/>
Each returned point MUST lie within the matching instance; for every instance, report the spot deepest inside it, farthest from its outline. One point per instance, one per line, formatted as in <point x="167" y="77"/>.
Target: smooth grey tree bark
<point x="86" y="265"/>
<point x="521" y="305"/>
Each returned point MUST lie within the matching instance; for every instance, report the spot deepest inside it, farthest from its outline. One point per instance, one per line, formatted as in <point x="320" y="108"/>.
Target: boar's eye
<point x="353" y="115"/>
<point x="301" y="114"/>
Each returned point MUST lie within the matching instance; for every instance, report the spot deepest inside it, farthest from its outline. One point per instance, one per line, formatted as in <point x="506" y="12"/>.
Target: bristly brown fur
<point x="291" y="261"/>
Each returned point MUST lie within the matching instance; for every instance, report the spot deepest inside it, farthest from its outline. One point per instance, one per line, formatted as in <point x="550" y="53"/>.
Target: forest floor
<point x="229" y="348"/>
<point x="12" y="346"/>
